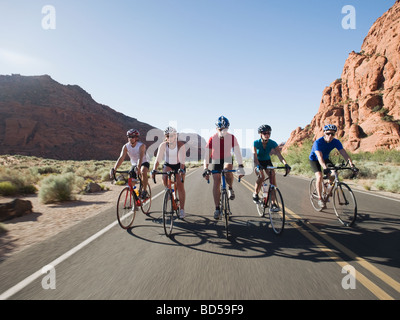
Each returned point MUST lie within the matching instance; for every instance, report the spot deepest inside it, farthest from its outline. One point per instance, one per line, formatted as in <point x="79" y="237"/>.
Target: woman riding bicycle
<point x="174" y="153"/>
<point x="136" y="151"/>
<point x="263" y="147"/>
<point x="319" y="157"/>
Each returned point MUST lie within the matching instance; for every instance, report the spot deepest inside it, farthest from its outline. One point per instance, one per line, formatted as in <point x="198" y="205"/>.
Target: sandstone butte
<point x="365" y="102"/>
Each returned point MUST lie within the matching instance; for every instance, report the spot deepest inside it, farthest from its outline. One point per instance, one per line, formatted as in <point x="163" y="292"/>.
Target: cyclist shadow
<point x="250" y="237"/>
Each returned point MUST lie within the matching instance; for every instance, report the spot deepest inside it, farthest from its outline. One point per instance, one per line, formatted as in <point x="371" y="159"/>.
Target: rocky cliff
<point x="41" y="117"/>
<point x="365" y="102"/>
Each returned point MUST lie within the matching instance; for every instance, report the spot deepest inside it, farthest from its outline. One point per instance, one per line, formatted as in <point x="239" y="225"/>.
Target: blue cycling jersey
<point x="263" y="153"/>
<point x="321" y="145"/>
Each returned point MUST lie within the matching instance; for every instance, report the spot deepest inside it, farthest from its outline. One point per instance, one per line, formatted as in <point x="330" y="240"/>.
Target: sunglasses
<point x="266" y="132"/>
<point x="330" y="133"/>
<point x="132" y="137"/>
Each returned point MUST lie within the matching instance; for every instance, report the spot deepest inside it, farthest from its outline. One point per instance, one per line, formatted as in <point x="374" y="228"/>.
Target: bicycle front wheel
<point x="225" y="211"/>
<point x="314" y="195"/>
<point x="126" y="208"/>
<point x="146" y="202"/>
<point x="276" y="210"/>
<point x="168" y="213"/>
<point x="345" y="205"/>
<point x="260" y="206"/>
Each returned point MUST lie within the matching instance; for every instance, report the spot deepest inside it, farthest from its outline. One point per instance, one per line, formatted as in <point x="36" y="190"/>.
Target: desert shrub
<point x="388" y="180"/>
<point x="57" y="188"/>
<point x="7" y="188"/>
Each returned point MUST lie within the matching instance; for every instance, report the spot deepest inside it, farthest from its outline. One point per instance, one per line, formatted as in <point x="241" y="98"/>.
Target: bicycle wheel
<point x="126" y="208"/>
<point x="261" y="206"/>
<point x="146" y="202"/>
<point x="314" y="195"/>
<point x="276" y="210"/>
<point x="225" y="211"/>
<point x="345" y="205"/>
<point x="168" y="213"/>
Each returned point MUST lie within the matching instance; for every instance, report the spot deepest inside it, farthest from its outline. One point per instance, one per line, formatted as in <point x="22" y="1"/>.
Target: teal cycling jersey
<point x="263" y="153"/>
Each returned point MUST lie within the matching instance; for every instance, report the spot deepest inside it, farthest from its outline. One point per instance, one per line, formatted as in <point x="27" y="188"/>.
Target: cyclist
<point x="319" y="157"/>
<point x="174" y="153"/>
<point x="263" y="147"/>
<point x="218" y="149"/>
<point x="136" y="151"/>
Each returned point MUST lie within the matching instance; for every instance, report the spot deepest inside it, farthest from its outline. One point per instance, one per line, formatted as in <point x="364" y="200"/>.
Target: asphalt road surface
<point x="315" y="257"/>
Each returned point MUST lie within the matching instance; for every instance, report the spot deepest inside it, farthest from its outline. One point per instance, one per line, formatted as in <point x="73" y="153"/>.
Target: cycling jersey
<point x="321" y="145"/>
<point x="134" y="153"/>
<point x="222" y="148"/>
<point x="263" y="153"/>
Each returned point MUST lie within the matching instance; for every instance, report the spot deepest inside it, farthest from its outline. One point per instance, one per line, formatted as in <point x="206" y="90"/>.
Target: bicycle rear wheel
<point x="276" y="210"/>
<point x="126" y="208"/>
<point x="168" y="213"/>
<point x="146" y="202"/>
<point x="345" y="205"/>
<point x="314" y="195"/>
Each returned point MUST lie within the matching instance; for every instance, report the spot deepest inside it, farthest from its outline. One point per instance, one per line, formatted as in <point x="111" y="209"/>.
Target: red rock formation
<point x="365" y="102"/>
<point x="40" y="117"/>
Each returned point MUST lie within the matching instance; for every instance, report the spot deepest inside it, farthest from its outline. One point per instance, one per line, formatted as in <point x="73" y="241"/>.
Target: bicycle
<point x="130" y="198"/>
<point x="224" y="199"/>
<point x="171" y="201"/>
<point x="344" y="201"/>
<point x="273" y="201"/>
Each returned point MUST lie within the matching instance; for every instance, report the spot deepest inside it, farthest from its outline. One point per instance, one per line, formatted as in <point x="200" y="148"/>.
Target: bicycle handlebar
<point x="169" y="174"/>
<point x="122" y="171"/>
<point x="208" y="172"/>
<point x="273" y="168"/>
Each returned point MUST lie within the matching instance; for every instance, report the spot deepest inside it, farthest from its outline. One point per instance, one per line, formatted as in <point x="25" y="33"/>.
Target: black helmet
<point x="264" y="128"/>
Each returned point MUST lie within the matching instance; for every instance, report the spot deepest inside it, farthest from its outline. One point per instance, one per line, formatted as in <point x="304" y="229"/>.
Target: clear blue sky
<point x="186" y="62"/>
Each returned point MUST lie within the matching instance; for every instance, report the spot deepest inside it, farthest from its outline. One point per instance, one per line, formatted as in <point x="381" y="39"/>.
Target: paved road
<point x="197" y="262"/>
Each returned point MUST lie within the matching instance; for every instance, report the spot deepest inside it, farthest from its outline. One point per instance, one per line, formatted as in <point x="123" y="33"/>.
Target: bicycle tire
<point x="225" y="211"/>
<point x="314" y="199"/>
<point x="276" y="210"/>
<point x="126" y="208"/>
<point x="168" y="213"/>
<point x="261" y="206"/>
<point x="345" y="204"/>
<point x="146" y="203"/>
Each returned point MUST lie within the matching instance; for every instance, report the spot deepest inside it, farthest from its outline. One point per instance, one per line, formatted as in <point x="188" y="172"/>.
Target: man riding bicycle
<point x="218" y="149"/>
<point x="319" y="157"/>
<point x="263" y="147"/>
<point x="136" y="151"/>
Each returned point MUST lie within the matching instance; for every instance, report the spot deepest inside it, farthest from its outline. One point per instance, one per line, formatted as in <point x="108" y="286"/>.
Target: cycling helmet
<point x="330" y="127"/>
<point x="169" y="130"/>
<point x="222" y="123"/>
<point x="132" y="133"/>
<point x="264" y="128"/>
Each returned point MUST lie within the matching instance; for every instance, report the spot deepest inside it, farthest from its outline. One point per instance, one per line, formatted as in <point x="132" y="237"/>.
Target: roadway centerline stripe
<point x="361" y="261"/>
<point x="28" y="280"/>
<point x="377" y="291"/>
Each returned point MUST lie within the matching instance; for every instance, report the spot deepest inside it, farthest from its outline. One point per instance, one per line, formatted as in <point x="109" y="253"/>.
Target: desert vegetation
<point x="53" y="180"/>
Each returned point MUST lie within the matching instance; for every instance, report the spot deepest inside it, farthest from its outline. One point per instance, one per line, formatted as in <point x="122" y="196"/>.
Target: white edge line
<point x="22" y="284"/>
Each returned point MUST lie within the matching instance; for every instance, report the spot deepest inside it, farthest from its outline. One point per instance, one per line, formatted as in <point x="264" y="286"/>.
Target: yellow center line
<point x="372" y="287"/>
